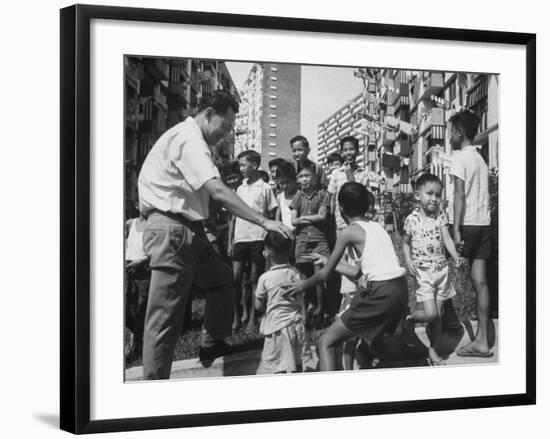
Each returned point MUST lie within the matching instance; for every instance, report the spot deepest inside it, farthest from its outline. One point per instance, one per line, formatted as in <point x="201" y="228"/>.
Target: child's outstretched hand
<point x="318" y="259"/>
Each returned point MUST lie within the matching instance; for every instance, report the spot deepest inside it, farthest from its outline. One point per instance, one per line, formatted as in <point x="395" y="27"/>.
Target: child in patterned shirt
<point x="426" y="236"/>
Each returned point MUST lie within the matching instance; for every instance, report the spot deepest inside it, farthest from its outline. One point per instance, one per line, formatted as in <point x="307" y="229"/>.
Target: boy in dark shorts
<point x="248" y="237"/>
<point x="469" y="213"/>
<point x="381" y="302"/>
<point x="309" y="210"/>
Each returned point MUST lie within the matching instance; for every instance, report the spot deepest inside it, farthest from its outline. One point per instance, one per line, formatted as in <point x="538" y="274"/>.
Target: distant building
<point x="401" y="122"/>
<point x="269" y="115"/>
<point x="159" y="93"/>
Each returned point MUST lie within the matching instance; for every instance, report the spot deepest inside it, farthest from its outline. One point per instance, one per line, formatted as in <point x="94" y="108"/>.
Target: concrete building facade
<point x="270" y="111"/>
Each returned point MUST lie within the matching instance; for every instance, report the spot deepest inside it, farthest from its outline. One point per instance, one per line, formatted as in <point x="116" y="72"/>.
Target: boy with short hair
<point x="299" y="145"/>
<point x="248" y="241"/>
<point x="425" y="238"/>
<point x="283" y="324"/>
<point x="382" y="302"/>
<point x="334" y="161"/>
<point x="469" y="213"/>
<point x="274" y="164"/>
<point x="309" y="210"/>
<point x="286" y="177"/>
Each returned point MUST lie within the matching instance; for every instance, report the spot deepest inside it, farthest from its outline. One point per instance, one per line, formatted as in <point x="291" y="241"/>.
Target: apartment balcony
<point x="158" y="68"/>
<point x="403" y="147"/>
<point x="178" y="88"/>
<point x="388" y="138"/>
<point x="434" y="117"/>
<point x="134" y="73"/>
<point x="478" y="92"/>
<point x="371" y="156"/>
<point x="433" y="84"/>
<point x="390" y="161"/>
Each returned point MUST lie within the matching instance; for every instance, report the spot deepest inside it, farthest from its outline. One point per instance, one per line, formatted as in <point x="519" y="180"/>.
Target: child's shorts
<point x="346" y="302"/>
<point x="249" y="252"/>
<point x="305" y="248"/>
<point x="377" y="309"/>
<point x="286" y="350"/>
<point x="434" y="285"/>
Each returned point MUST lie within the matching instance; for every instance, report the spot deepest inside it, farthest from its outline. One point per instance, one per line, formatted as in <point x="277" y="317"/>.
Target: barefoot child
<point x="309" y="210"/>
<point x="470" y="215"/>
<point x="426" y="236"/>
<point x="380" y="305"/>
<point x="283" y="324"/>
<point x="248" y="237"/>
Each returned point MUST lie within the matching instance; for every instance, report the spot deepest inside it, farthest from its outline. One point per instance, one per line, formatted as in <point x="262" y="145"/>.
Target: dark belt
<point x="180" y="218"/>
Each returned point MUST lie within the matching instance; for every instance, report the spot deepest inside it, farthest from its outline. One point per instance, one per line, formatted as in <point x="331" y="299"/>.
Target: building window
<point x="273" y="106"/>
<point x="452" y="90"/>
<point x="273" y="97"/>
<point x="272" y="154"/>
<point x="272" y="125"/>
<point x="272" y="135"/>
<point x="273" y="116"/>
<point x="273" y="87"/>
<point x="273" y="68"/>
<point x="272" y="144"/>
<point x="273" y="78"/>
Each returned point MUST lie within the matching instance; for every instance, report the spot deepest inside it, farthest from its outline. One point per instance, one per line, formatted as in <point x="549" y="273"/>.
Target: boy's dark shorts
<point x="249" y="251"/>
<point x="477" y="241"/>
<point x="377" y="309"/>
<point x="305" y="248"/>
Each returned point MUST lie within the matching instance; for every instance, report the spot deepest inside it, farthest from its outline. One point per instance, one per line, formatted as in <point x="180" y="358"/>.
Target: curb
<point x="247" y="362"/>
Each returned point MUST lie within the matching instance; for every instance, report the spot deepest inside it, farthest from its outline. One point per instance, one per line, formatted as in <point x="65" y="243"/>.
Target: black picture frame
<point x="75" y="217"/>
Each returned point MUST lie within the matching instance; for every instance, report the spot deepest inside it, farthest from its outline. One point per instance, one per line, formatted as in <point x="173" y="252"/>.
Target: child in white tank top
<point x="382" y="302"/>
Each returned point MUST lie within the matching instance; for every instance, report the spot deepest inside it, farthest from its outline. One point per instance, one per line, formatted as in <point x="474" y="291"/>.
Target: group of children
<point x="335" y="234"/>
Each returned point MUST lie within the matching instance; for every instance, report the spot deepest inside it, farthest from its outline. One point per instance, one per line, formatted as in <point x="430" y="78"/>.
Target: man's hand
<point x="460" y="262"/>
<point x="292" y="290"/>
<point x="459" y="243"/>
<point x="277" y="226"/>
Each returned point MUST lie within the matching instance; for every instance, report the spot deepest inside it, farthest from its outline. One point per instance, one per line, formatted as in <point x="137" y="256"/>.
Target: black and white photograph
<point x="284" y="218"/>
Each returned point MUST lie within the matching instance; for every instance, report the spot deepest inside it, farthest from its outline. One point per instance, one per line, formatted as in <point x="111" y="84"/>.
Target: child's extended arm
<point x="450" y="245"/>
<point x="322" y="275"/>
<point x="407" y="253"/>
<point x="343" y="267"/>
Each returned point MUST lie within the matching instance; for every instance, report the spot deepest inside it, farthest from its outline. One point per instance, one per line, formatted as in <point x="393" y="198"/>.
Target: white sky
<point x="324" y="90"/>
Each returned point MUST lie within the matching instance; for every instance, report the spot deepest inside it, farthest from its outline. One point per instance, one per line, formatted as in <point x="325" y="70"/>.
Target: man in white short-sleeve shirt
<point x="176" y="182"/>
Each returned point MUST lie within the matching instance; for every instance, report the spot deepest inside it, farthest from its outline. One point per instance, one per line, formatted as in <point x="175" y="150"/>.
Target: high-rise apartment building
<point x="269" y="115"/>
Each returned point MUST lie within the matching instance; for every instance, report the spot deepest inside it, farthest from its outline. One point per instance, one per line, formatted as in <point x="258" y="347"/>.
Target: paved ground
<point x="246" y="363"/>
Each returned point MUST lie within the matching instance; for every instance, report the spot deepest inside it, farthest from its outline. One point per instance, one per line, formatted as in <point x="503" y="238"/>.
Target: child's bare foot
<point x="434" y="359"/>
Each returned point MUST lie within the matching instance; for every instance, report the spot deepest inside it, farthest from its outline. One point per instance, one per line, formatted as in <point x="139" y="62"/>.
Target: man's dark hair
<point x="426" y="178"/>
<point x="353" y="199"/>
<point x="300" y="138"/>
<point x="276" y="162"/>
<point x="220" y="101"/>
<point x="468" y="121"/>
<point x="277" y="242"/>
<point x="309" y="165"/>
<point x="335" y="157"/>
<point x="264" y="175"/>
<point x="286" y="170"/>
<point x="349" y="139"/>
<point x="251" y="155"/>
<point x="230" y="169"/>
